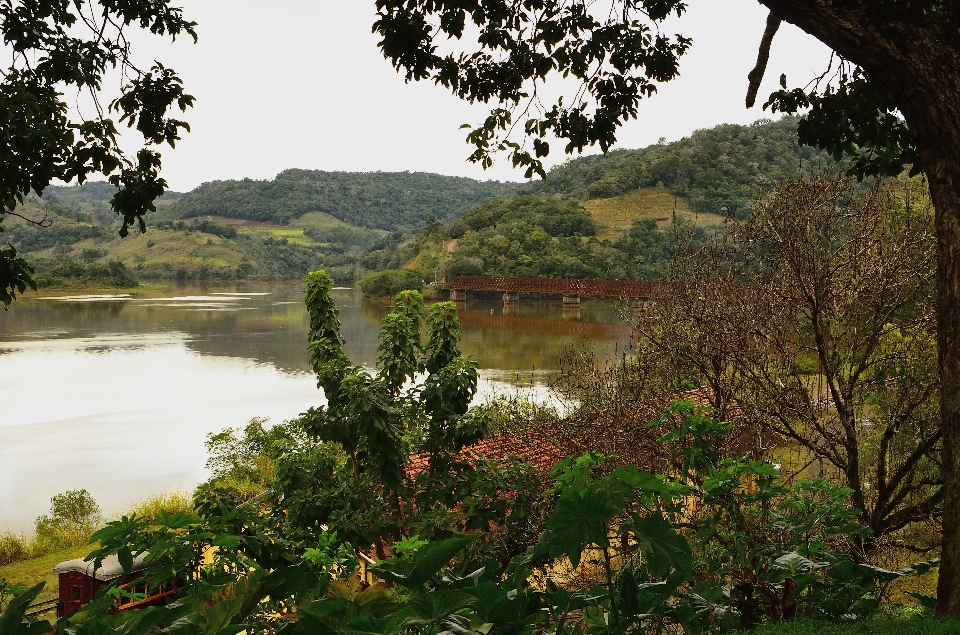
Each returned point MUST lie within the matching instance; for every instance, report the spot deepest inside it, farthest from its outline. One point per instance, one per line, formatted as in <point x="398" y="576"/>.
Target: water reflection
<point x="115" y="393"/>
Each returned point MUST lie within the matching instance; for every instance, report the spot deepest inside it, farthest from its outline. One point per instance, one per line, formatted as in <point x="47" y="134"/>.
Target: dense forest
<point x="617" y="216"/>
<point x="613" y="216"/>
<point x="717" y="170"/>
<point x="381" y="200"/>
<point x="532" y="236"/>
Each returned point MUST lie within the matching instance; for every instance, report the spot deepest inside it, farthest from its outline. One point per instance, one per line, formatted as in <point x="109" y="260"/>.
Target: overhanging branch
<point x="763" y="56"/>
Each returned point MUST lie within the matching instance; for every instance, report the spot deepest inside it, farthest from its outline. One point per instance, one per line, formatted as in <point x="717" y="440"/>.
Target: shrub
<point x="13" y="549"/>
<point x="150" y="508"/>
<point x="74" y="515"/>
<point x="390" y="282"/>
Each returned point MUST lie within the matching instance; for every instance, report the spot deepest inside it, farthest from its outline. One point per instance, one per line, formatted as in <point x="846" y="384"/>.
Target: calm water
<point x="117" y="393"/>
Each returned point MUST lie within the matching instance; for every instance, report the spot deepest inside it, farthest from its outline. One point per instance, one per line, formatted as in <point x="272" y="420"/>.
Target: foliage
<point x="72" y="273"/>
<point x="390" y="282"/>
<point x="619" y="56"/>
<point x="717" y="170"/>
<point x="342" y="235"/>
<point x="13" y="548"/>
<point x="58" y="47"/>
<point x="91" y="200"/>
<point x="648" y="540"/>
<point x="32" y="238"/>
<point x="215" y="229"/>
<point x="530" y="236"/>
<point x="74" y="515"/>
<point x="14" y="275"/>
<point x="384" y="200"/>
<point x="813" y="322"/>
<point x="618" y="60"/>
<point x="356" y="477"/>
<point x="523" y="248"/>
<point x="247" y="462"/>
<point x="151" y="508"/>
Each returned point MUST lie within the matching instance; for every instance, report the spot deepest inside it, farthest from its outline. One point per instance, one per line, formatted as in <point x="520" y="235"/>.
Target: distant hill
<point x="718" y="170"/>
<point x="609" y="216"/>
<point x="93" y="198"/>
<point x="378" y="200"/>
<point x="615" y="216"/>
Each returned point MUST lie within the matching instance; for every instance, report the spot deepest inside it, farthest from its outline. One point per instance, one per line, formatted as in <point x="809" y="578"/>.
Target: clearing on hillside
<point x="616" y="214"/>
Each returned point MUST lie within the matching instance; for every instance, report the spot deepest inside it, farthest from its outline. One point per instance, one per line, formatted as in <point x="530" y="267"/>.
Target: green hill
<point x="612" y="216"/>
<point x="615" y="216"/>
<point x="378" y="200"/>
<point x="531" y="236"/>
<point x="77" y="249"/>
<point x="92" y="198"/>
<point x="718" y="170"/>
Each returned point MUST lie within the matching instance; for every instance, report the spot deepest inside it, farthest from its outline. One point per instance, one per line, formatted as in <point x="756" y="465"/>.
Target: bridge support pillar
<point x="636" y="303"/>
<point x="458" y="295"/>
<point x="511" y="298"/>
<point x="571" y="301"/>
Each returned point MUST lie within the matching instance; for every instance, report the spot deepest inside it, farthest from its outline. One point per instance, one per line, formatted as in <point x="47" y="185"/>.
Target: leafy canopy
<point x="618" y="53"/>
<point x="58" y="47"/>
<point x="619" y="57"/>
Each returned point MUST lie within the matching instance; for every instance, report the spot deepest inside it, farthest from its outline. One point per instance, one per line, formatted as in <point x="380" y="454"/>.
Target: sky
<point x="301" y="84"/>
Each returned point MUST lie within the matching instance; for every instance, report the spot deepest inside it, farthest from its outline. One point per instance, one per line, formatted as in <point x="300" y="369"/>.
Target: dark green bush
<point x="390" y="282"/>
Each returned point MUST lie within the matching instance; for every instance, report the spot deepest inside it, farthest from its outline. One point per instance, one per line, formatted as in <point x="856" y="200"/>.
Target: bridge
<point x="570" y="288"/>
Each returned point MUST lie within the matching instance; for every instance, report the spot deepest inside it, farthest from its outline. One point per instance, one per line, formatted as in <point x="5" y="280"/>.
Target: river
<point x="116" y="393"/>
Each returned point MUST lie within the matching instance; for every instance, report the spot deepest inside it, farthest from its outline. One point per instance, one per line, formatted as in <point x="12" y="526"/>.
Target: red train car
<point x="79" y="583"/>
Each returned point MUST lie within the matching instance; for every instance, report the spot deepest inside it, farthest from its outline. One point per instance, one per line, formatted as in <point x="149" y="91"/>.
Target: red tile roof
<point x="531" y="447"/>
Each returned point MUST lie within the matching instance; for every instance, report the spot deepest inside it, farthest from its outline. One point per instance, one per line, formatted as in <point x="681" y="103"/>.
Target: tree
<point x="56" y="45"/>
<point x="352" y="470"/>
<point x="896" y="57"/>
<point x="814" y="320"/>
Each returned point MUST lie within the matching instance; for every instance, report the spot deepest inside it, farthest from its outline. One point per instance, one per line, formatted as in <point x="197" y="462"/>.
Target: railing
<point x="558" y="286"/>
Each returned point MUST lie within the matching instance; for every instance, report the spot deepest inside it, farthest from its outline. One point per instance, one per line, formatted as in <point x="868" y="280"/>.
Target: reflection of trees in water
<point x="545" y="326"/>
<point x="273" y="330"/>
<point x="374" y="310"/>
<point x="87" y="311"/>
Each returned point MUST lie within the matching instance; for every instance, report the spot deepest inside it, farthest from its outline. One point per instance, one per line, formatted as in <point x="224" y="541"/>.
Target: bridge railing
<point x="558" y="286"/>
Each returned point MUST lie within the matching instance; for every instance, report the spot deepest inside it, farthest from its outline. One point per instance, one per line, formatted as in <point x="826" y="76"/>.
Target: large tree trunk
<point x="921" y="74"/>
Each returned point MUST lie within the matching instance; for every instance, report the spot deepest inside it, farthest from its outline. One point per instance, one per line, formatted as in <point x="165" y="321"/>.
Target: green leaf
<point x="431" y="608"/>
<point x="925" y="601"/>
<point x="11" y="620"/>
<point x="795" y="564"/>
<point x="429" y="560"/>
<point x="580" y="519"/>
<point x="663" y="548"/>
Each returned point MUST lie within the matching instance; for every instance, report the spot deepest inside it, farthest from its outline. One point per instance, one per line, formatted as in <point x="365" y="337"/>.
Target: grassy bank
<point x="29" y="560"/>
<point x="40" y="569"/>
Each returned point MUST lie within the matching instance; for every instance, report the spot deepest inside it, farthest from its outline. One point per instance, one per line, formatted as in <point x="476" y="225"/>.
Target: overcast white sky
<point x="301" y="84"/>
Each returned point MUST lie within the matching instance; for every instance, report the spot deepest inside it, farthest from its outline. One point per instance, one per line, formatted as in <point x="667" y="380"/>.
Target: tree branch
<point x="763" y="56"/>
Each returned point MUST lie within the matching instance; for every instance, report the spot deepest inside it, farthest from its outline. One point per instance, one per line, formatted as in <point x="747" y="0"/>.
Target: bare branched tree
<point x="813" y="322"/>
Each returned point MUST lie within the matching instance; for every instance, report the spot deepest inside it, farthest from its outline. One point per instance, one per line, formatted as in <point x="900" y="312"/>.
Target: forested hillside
<point x="616" y="216"/>
<point x="380" y="200"/>
<point x="93" y="199"/>
<point x="716" y="170"/>
<point x="531" y="236"/>
<point x="613" y="216"/>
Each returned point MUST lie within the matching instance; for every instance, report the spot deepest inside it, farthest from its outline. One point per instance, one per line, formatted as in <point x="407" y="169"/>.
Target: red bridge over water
<point x="570" y="288"/>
